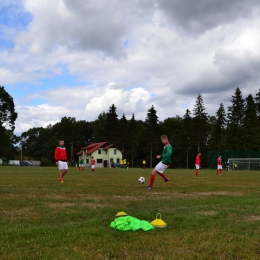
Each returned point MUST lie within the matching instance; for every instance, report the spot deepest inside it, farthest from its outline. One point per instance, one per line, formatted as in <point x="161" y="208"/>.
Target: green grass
<point x="210" y="217"/>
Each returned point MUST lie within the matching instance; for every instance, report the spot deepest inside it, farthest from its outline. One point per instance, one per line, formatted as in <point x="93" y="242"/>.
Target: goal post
<point x="245" y="164"/>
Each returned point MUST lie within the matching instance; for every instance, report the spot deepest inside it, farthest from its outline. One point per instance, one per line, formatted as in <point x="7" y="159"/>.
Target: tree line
<point x="234" y="128"/>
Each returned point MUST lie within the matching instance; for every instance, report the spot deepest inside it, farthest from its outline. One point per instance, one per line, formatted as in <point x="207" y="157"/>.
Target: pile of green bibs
<point x="127" y="223"/>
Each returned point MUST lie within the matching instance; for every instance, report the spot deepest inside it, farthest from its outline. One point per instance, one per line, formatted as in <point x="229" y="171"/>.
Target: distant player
<point x="235" y="166"/>
<point x="144" y="163"/>
<point x="81" y="164"/>
<point x="60" y="157"/>
<point x="93" y="163"/>
<point x="219" y="166"/>
<point x="164" y="163"/>
<point x="121" y="163"/>
<point x="197" y="164"/>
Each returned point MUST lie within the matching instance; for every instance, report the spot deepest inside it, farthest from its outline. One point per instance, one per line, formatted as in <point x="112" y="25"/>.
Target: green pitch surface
<point x="209" y="217"/>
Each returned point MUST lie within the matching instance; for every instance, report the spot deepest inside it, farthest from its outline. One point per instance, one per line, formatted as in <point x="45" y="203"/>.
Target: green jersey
<point x="167" y="153"/>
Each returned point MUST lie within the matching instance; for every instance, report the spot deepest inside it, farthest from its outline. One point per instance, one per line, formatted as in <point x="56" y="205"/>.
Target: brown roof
<point x="93" y="147"/>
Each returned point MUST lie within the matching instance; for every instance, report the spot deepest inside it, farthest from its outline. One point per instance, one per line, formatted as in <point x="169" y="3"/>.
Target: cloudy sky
<point x="78" y="57"/>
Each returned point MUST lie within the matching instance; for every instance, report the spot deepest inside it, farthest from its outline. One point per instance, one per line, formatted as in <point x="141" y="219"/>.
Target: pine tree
<point x="112" y="125"/>
<point x="123" y="132"/>
<point x="235" y="118"/>
<point x="200" y="122"/>
<point x="257" y="102"/>
<point x="188" y="135"/>
<point x="220" y="126"/>
<point x="99" y="126"/>
<point x="151" y="124"/>
<point x="133" y="138"/>
<point x="251" y="125"/>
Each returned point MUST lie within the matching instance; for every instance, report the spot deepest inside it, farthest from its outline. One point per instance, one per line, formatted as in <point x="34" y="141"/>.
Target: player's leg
<point x="161" y="173"/>
<point x="65" y="169"/>
<point x="197" y="170"/>
<point x="60" y="175"/>
<point x="60" y="171"/>
<point x="152" y="177"/>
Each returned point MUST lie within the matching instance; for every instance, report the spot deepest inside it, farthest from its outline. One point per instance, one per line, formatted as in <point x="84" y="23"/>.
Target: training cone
<point x="120" y="214"/>
<point x="158" y="222"/>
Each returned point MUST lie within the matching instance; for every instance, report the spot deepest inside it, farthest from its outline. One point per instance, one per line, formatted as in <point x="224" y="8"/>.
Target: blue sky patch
<point x="125" y="43"/>
<point x="14" y="17"/>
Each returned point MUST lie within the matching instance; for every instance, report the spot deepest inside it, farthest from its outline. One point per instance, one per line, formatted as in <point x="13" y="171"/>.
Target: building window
<point x="114" y="151"/>
<point x="99" y="151"/>
<point x="99" y="160"/>
<point x="117" y="160"/>
<point x="87" y="160"/>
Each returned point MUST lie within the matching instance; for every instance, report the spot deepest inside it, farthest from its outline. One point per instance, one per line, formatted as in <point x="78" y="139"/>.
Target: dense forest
<point x="235" y="128"/>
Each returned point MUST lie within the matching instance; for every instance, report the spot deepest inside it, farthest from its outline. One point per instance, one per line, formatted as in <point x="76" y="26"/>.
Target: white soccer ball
<point x="141" y="180"/>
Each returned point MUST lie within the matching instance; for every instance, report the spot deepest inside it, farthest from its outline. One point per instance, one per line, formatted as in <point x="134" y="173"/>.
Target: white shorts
<point x="219" y="167"/>
<point x="160" y="167"/>
<point x="197" y="166"/>
<point x="92" y="166"/>
<point x="62" y="165"/>
<point x="80" y="165"/>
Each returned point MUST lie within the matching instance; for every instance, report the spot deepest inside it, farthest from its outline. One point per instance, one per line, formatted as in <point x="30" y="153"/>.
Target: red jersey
<point x="93" y="161"/>
<point x="219" y="161"/>
<point x="60" y="154"/>
<point x="197" y="160"/>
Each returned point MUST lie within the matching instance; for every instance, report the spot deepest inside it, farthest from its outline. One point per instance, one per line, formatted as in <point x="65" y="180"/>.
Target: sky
<point x="76" y="58"/>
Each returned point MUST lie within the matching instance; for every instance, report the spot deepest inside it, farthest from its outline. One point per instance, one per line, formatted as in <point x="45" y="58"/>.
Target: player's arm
<point x="56" y="155"/>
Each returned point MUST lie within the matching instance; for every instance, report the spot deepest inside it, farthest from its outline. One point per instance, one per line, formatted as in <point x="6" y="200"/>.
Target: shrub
<point x="45" y="162"/>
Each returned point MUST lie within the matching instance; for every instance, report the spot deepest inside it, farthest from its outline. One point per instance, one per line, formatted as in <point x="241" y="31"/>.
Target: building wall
<point x="112" y="154"/>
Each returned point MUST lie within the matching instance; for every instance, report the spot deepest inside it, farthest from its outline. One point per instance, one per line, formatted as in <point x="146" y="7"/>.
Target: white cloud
<point x="134" y="54"/>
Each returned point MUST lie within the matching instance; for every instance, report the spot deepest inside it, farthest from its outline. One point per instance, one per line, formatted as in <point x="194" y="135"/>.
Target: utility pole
<point x="151" y="159"/>
<point x="71" y="152"/>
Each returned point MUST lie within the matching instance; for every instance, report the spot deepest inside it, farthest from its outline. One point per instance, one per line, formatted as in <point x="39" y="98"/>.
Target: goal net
<point x="244" y="164"/>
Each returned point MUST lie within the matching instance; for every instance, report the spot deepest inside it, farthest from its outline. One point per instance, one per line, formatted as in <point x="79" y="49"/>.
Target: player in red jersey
<point x="197" y="164"/>
<point x="61" y="160"/>
<point x="93" y="163"/>
<point x="219" y="166"/>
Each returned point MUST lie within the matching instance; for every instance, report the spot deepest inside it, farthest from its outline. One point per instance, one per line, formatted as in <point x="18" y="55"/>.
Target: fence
<point x="5" y="161"/>
<point x="226" y="155"/>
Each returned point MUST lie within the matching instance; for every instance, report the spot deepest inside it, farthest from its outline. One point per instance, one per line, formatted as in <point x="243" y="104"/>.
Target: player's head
<point x="61" y="143"/>
<point x="164" y="138"/>
<point x="199" y="153"/>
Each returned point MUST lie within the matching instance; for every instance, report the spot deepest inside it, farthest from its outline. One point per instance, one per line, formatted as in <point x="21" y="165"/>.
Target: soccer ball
<point x="141" y="180"/>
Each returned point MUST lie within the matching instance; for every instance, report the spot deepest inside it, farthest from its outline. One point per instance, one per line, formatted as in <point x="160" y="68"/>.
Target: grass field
<point x="210" y="217"/>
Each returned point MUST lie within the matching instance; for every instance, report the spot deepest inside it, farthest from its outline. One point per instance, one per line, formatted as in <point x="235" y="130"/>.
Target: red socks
<point x="152" y="180"/>
<point x="197" y="173"/>
<point x="162" y="175"/>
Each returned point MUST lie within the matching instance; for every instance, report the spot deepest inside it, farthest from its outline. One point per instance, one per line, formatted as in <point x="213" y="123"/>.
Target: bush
<point x="45" y="162"/>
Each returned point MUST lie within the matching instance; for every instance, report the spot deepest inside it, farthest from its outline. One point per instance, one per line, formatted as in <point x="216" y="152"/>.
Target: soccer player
<point x="60" y="157"/>
<point x="197" y="164"/>
<point x="219" y="166"/>
<point x="143" y="163"/>
<point x="81" y="164"/>
<point x="164" y="163"/>
<point x="93" y="162"/>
